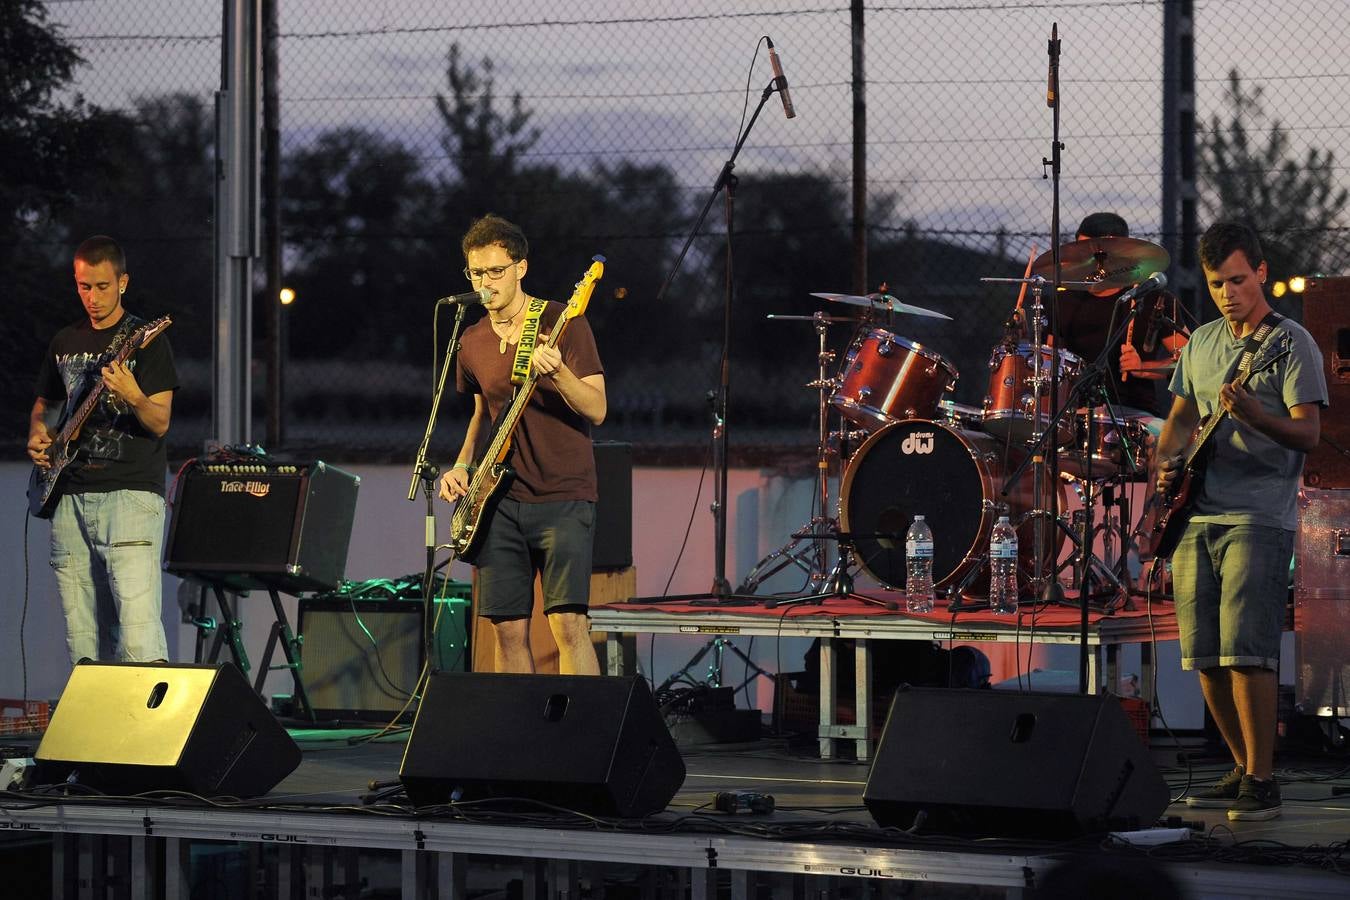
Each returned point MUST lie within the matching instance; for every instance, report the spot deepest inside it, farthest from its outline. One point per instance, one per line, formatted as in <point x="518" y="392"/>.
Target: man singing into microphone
<point x="544" y="522"/>
<point x="1231" y="566"/>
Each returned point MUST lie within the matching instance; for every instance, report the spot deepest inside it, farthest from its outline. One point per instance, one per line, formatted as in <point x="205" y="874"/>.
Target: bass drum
<point x="953" y="479"/>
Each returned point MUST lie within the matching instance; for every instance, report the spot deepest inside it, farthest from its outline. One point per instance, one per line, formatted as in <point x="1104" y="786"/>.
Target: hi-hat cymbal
<point x="1107" y="263"/>
<point x="881" y="302"/>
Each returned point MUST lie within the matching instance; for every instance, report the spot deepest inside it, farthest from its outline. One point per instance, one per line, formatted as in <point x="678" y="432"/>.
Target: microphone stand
<point x="427" y="472"/>
<point x="720" y="594"/>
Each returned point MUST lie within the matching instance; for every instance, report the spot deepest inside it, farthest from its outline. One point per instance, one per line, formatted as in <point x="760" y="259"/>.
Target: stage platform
<point x="314" y="837"/>
<point x="864" y="622"/>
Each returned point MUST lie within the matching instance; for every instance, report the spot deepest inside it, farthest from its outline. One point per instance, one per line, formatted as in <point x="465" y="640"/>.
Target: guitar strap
<point x="529" y="336"/>
<point x="1255" y="339"/>
<point x="129" y="324"/>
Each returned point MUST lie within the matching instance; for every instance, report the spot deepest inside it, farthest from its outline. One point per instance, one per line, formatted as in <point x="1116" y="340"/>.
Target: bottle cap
<point x="918" y="518"/>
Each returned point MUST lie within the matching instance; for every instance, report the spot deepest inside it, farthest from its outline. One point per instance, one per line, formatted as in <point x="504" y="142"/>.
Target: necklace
<point x="501" y="344"/>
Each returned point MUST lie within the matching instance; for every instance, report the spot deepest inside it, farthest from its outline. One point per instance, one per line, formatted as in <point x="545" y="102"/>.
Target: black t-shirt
<point x="115" y="452"/>
<point x="1084" y="323"/>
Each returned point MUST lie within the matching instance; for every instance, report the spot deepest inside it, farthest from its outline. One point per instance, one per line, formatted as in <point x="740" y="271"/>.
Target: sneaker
<point x="1256" y="802"/>
<point x="1221" y="795"/>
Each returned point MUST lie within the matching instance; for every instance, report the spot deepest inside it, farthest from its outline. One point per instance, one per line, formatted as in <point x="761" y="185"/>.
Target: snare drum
<point x="1120" y="445"/>
<point x="961" y="416"/>
<point x="1008" y="406"/>
<point x="886" y="378"/>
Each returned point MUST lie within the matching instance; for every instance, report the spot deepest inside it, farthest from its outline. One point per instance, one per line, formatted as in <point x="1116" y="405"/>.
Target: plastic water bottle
<point x="1003" y="567"/>
<point x="919" y="596"/>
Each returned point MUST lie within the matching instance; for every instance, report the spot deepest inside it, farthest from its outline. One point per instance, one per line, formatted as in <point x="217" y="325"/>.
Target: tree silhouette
<point x="1250" y="173"/>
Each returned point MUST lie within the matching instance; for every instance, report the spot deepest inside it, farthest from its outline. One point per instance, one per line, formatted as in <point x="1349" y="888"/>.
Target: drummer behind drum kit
<point x="907" y="450"/>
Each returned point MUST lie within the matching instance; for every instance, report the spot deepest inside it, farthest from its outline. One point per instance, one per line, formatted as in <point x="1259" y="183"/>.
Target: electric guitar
<point x="1165" y="515"/>
<point x="494" y="473"/>
<point x="42" y="483"/>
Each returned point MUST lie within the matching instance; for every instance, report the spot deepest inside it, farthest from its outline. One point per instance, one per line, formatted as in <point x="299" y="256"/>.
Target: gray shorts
<point x="1231" y="584"/>
<point x="553" y="539"/>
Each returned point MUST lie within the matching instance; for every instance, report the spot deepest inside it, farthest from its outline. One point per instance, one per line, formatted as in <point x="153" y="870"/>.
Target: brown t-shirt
<point x="552" y="454"/>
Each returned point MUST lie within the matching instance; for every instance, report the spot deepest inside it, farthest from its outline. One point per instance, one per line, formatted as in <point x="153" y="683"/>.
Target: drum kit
<point x="904" y="447"/>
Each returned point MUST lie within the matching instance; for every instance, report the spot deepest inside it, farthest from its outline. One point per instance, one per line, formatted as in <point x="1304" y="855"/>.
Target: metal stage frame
<point x="1106" y="635"/>
<point x="140" y="852"/>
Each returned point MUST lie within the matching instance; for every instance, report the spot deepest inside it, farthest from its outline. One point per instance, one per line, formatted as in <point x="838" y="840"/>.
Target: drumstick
<point x="1021" y="295"/>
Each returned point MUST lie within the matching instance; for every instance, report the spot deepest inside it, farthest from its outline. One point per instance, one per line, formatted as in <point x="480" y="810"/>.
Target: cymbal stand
<point x="813" y="557"/>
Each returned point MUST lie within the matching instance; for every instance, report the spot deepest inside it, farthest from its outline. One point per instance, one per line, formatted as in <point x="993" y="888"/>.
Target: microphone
<point x="1151" y="283"/>
<point x="482" y="295"/>
<point x="780" y="79"/>
<point x="1052" y="77"/>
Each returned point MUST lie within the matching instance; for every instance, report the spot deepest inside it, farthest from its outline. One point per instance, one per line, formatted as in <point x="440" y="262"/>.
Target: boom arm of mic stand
<point x="717" y="189"/>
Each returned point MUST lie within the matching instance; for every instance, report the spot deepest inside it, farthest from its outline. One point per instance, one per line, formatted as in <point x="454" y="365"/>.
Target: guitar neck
<point x="501" y="440"/>
<point x="1218" y="417"/>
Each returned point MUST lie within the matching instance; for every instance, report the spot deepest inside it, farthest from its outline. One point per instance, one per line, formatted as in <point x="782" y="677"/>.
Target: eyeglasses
<point x="493" y="273"/>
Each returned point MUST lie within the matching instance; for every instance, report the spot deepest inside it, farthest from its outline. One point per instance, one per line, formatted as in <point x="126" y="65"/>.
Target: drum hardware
<point x="808" y="547"/>
<point x="1090" y="385"/>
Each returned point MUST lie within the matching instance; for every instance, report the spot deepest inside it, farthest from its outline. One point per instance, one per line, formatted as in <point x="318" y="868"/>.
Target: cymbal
<point x="818" y="317"/>
<point x="1106" y="263"/>
<point x="881" y="302"/>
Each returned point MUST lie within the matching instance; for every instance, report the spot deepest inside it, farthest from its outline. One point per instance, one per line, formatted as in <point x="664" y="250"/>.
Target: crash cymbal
<point x="881" y="302"/>
<point x="1108" y="263"/>
<point x="818" y="317"/>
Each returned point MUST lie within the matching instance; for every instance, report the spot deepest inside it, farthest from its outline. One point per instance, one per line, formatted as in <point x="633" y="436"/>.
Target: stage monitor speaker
<point x="127" y="728"/>
<point x="614" y="508"/>
<point x="592" y="744"/>
<point x="1326" y="315"/>
<point x="363" y="657"/>
<point x="261" y="525"/>
<point x="1012" y="765"/>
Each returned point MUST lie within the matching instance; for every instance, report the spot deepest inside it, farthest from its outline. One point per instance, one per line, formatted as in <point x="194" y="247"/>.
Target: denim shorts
<point x="553" y="539"/>
<point x="1231" y="584"/>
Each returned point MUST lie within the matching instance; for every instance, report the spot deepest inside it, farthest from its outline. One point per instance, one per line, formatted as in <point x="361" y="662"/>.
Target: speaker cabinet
<point x="614" y="508"/>
<point x="592" y="744"/>
<point x="126" y="728"/>
<point x="363" y="657"/>
<point x="263" y="526"/>
<point x="1326" y="315"/>
<point x="1012" y="765"/>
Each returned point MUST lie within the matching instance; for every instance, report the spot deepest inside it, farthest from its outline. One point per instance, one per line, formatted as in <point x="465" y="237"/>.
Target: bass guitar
<point x="494" y="474"/>
<point x="42" y="483"/>
<point x="1166" y="514"/>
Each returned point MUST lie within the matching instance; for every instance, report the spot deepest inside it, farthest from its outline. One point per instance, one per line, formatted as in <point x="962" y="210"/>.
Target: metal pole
<point x="236" y="214"/>
<point x="1179" y="190"/>
<point x="859" y="151"/>
<point x="271" y="183"/>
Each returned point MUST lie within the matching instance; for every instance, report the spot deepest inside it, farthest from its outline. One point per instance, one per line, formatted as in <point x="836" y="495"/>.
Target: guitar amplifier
<point x="263" y="525"/>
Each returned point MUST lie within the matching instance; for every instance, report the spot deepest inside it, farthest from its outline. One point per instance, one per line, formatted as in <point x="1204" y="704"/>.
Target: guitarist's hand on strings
<point x="1167" y="471"/>
<point x="38" y="442"/>
<point x="455" y="482"/>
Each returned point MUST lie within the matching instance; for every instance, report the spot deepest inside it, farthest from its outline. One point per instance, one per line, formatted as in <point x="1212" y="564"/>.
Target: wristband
<point x="459" y="465"/>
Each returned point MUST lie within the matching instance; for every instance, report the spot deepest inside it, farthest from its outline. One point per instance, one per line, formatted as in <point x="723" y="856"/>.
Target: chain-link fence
<point x="602" y="127"/>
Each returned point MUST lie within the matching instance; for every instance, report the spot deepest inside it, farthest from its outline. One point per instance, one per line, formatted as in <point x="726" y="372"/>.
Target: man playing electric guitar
<point x="1230" y="570"/>
<point x="545" y="521"/>
<point x="108" y="523"/>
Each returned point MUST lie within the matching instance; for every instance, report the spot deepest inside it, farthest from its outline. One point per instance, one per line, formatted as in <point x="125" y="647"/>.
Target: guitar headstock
<point x="581" y="294"/>
<point x="151" y="330"/>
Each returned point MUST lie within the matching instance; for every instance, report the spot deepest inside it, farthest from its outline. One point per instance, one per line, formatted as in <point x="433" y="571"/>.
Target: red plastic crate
<point x="20" y="717"/>
<point x="1140" y="715"/>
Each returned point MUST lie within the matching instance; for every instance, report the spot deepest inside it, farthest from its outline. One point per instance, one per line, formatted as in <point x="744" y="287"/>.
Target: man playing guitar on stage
<point x="545" y="521"/>
<point x="1231" y="568"/>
